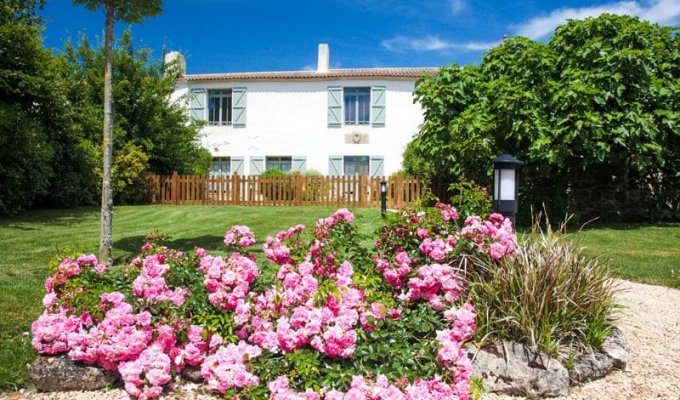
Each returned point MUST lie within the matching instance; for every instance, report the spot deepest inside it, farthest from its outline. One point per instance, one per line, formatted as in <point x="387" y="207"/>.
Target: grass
<point x="641" y="253"/>
<point x="646" y="253"/>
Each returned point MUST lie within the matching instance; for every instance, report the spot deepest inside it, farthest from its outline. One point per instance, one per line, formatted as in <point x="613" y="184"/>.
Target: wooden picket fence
<point x="294" y="190"/>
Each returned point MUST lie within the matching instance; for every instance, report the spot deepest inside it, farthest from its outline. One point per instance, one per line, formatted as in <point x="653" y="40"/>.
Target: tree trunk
<point x="107" y="195"/>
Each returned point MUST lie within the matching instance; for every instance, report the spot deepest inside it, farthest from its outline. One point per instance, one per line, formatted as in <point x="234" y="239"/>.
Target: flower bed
<point x="325" y="318"/>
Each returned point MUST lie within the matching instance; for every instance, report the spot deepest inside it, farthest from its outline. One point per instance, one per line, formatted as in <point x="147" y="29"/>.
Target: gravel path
<point x="650" y="323"/>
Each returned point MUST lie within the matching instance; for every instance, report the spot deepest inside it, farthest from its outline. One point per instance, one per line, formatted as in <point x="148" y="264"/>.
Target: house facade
<point x="334" y="121"/>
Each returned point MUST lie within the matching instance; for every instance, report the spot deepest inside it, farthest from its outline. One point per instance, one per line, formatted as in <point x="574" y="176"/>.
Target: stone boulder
<point x="60" y="374"/>
<point x="514" y="369"/>
<point x="192" y="374"/>
<point x="590" y="366"/>
<point x="616" y="348"/>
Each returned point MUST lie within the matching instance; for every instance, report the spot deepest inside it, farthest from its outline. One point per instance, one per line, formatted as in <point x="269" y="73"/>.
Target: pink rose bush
<point x="240" y="236"/>
<point x="321" y="311"/>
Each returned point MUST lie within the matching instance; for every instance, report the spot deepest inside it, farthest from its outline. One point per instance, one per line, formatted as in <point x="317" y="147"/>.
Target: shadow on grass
<point x="131" y="245"/>
<point x="54" y="216"/>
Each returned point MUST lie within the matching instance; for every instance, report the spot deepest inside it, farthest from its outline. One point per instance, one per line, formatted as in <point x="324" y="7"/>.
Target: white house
<point x="335" y="121"/>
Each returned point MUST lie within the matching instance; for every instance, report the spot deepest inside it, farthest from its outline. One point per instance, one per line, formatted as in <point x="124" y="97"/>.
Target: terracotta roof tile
<point x="304" y="75"/>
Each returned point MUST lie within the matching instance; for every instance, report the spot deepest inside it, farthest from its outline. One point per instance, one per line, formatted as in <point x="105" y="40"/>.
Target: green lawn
<point x="646" y="253"/>
<point x="641" y="253"/>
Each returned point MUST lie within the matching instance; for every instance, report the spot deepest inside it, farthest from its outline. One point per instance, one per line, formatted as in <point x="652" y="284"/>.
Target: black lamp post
<point x="506" y="185"/>
<point x="383" y="197"/>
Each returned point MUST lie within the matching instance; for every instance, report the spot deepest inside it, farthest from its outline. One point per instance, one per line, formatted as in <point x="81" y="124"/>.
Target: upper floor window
<point x="219" y="107"/>
<point x="281" y="163"/>
<point x="357" y="105"/>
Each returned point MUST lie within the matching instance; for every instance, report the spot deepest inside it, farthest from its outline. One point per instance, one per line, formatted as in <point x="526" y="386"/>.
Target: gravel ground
<point x="650" y="323"/>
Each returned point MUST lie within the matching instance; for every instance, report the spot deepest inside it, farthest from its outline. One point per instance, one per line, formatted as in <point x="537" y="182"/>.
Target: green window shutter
<point x="239" y="107"/>
<point x="237" y="165"/>
<point x="377" y="166"/>
<point x="299" y="163"/>
<point x="197" y="104"/>
<point x="335" y="165"/>
<point x="334" y="106"/>
<point x="378" y="105"/>
<point x="256" y="165"/>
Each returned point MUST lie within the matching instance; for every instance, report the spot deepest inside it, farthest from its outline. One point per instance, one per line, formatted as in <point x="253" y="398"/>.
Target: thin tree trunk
<point x="107" y="195"/>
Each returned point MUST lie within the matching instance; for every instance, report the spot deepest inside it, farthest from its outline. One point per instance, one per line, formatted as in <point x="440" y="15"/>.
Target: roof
<point x="348" y="73"/>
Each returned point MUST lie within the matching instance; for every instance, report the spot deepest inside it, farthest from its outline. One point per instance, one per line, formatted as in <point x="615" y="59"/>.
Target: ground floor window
<point x="221" y="166"/>
<point x="356" y="165"/>
<point x="281" y="163"/>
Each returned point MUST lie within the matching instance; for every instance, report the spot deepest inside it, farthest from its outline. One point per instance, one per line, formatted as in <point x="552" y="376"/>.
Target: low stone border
<point x="517" y="370"/>
<point x="506" y="367"/>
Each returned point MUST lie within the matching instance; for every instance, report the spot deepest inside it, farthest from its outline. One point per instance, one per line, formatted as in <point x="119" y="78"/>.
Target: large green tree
<point x="593" y="113"/>
<point x="128" y="11"/>
<point x="26" y="97"/>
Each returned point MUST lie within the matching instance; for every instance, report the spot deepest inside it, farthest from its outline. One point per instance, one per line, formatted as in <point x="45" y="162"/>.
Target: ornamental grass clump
<point x="548" y="295"/>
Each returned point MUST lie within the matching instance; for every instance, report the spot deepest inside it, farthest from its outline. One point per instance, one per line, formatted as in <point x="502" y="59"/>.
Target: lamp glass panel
<point x="507" y="184"/>
<point x="496" y="183"/>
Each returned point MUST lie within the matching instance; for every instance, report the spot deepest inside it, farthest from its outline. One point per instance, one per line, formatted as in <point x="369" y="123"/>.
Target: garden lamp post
<point x="506" y="185"/>
<point x="383" y="197"/>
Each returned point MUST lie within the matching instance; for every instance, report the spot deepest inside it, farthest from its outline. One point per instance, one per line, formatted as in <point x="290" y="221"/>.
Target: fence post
<point x="298" y="189"/>
<point x="362" y="190"/>
<point x="174" y="187"/>
<point x="235" y="189"/>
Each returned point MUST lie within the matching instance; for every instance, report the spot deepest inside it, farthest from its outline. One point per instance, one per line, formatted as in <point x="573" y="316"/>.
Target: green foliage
<point x="470" y="199"/>
<point x="548" y="294"/>
<point x="144" y="114"/>
<point x="130" y="176"/>
<point x="281" y="189"/>
<point x="24" y="173"/>
<point x="128" y="11"/>
<point x="314" y="187"/>
<point x="595" y="107"/>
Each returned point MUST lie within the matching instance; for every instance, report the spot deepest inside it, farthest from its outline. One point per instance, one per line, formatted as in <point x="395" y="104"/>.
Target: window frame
<point x="345" y="163"/>
<point x="358" y="92"/>
<point x="222" y="161"/>
<point x="221" y="94"/>
<point x="279" y="160"/>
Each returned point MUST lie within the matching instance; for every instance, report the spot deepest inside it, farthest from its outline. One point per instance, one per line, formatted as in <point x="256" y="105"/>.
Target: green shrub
<point x="131" y="175"/>
<point x="470" y="199"/>
<point x="547" y="295"/>
<point x="315" y="188"/>
<point x="284" y="189"/>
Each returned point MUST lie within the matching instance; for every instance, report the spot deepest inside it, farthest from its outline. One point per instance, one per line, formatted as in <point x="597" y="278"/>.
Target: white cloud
<point x="457" y="5"/>
<point x="666" y="12"/>
<point x="432" y="43"/>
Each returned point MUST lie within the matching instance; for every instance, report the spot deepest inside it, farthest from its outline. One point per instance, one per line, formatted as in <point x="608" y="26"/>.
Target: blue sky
<point x="266" y="35"/>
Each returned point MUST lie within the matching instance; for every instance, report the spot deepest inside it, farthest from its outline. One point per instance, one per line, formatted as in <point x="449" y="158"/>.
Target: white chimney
<point x="324" y="58"/>
<point x="176" y="60"/>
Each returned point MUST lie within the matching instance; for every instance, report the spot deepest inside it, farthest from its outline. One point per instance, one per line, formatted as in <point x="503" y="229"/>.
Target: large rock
<point x="590" y="366"/>
<point x="59" y="374"/>
<point x="192" y="374"/>
<point x="616" y="347"/>
<point x="517" y="370"/>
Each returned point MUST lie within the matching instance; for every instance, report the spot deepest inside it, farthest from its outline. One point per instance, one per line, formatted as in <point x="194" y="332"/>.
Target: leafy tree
<point x="25" y="94"/>
<point x="595" y="108"/>
<point x="129" y="11"/>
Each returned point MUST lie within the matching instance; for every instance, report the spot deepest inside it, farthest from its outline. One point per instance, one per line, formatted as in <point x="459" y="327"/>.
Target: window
<point x="219" y="107"/>
<point x="281" y="163"/>
<point x="355" y="165"/>
<point x="357" y="106"/>
<point x="221" y="166"/>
